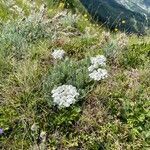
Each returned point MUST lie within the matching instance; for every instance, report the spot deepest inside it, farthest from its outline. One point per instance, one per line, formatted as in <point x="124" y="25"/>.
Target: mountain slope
<point x="112" y="12"/>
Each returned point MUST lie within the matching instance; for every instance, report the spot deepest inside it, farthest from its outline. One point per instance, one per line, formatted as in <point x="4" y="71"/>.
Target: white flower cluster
<point x="58" y="54"/>
<point x="99" y="74"/>
<point x="96" y="62"/>
<point x="99" y="60"/>
<point x="96" y="72"/>
<point x="64" y="95"/>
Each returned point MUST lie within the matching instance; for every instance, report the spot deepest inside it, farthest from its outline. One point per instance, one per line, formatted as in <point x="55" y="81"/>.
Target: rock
<point x="126" y="15"/>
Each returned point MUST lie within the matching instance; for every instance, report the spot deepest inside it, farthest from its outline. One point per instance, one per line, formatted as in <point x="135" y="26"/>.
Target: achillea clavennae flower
<point x="58" y="54"/>
<point x="93" y="67"/>
<point x="99" y="74"/>
<point x="64" y="95"/>
<point x="98" y="60"/>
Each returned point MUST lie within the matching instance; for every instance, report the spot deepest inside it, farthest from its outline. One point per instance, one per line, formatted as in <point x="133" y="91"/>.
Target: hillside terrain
<point x="68" y="83"/>
<point x="113" y="13"/>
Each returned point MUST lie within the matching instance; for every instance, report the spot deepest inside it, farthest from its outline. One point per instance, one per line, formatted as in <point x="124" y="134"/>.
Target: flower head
<point x="99" y="74"/>
<point x="116" y="29"/>
<point x="85" y="15"/>
<point x="58" y="54"/>
<point x="123" y="21"/>
<point x="1" y="131"/>
<point x="98" y="60"/>
<point x="64" y="95"/>
<point x="93" y="67"/>
<point x="34" y="127"/>
<point x="96" y="72"/>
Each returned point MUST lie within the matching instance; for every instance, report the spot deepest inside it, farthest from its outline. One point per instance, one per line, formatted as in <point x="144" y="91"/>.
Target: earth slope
<point x="112" y="12"/>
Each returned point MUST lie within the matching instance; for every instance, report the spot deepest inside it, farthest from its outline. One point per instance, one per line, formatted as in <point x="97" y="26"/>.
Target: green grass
<point x="111" y="114"/>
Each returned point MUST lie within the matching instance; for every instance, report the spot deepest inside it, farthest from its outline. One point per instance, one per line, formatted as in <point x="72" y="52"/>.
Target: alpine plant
<point x="95" y="71"/>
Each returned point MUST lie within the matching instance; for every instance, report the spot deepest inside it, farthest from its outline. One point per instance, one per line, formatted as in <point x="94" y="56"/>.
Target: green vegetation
<point x="111" y="114"/>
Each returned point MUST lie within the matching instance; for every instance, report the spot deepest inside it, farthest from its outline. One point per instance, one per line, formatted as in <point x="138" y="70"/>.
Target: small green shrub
<point x="111" y="50"/>
<point x="137" y="55"/>
<point x="18" y="36"/>
<point x="68" y="72"/>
